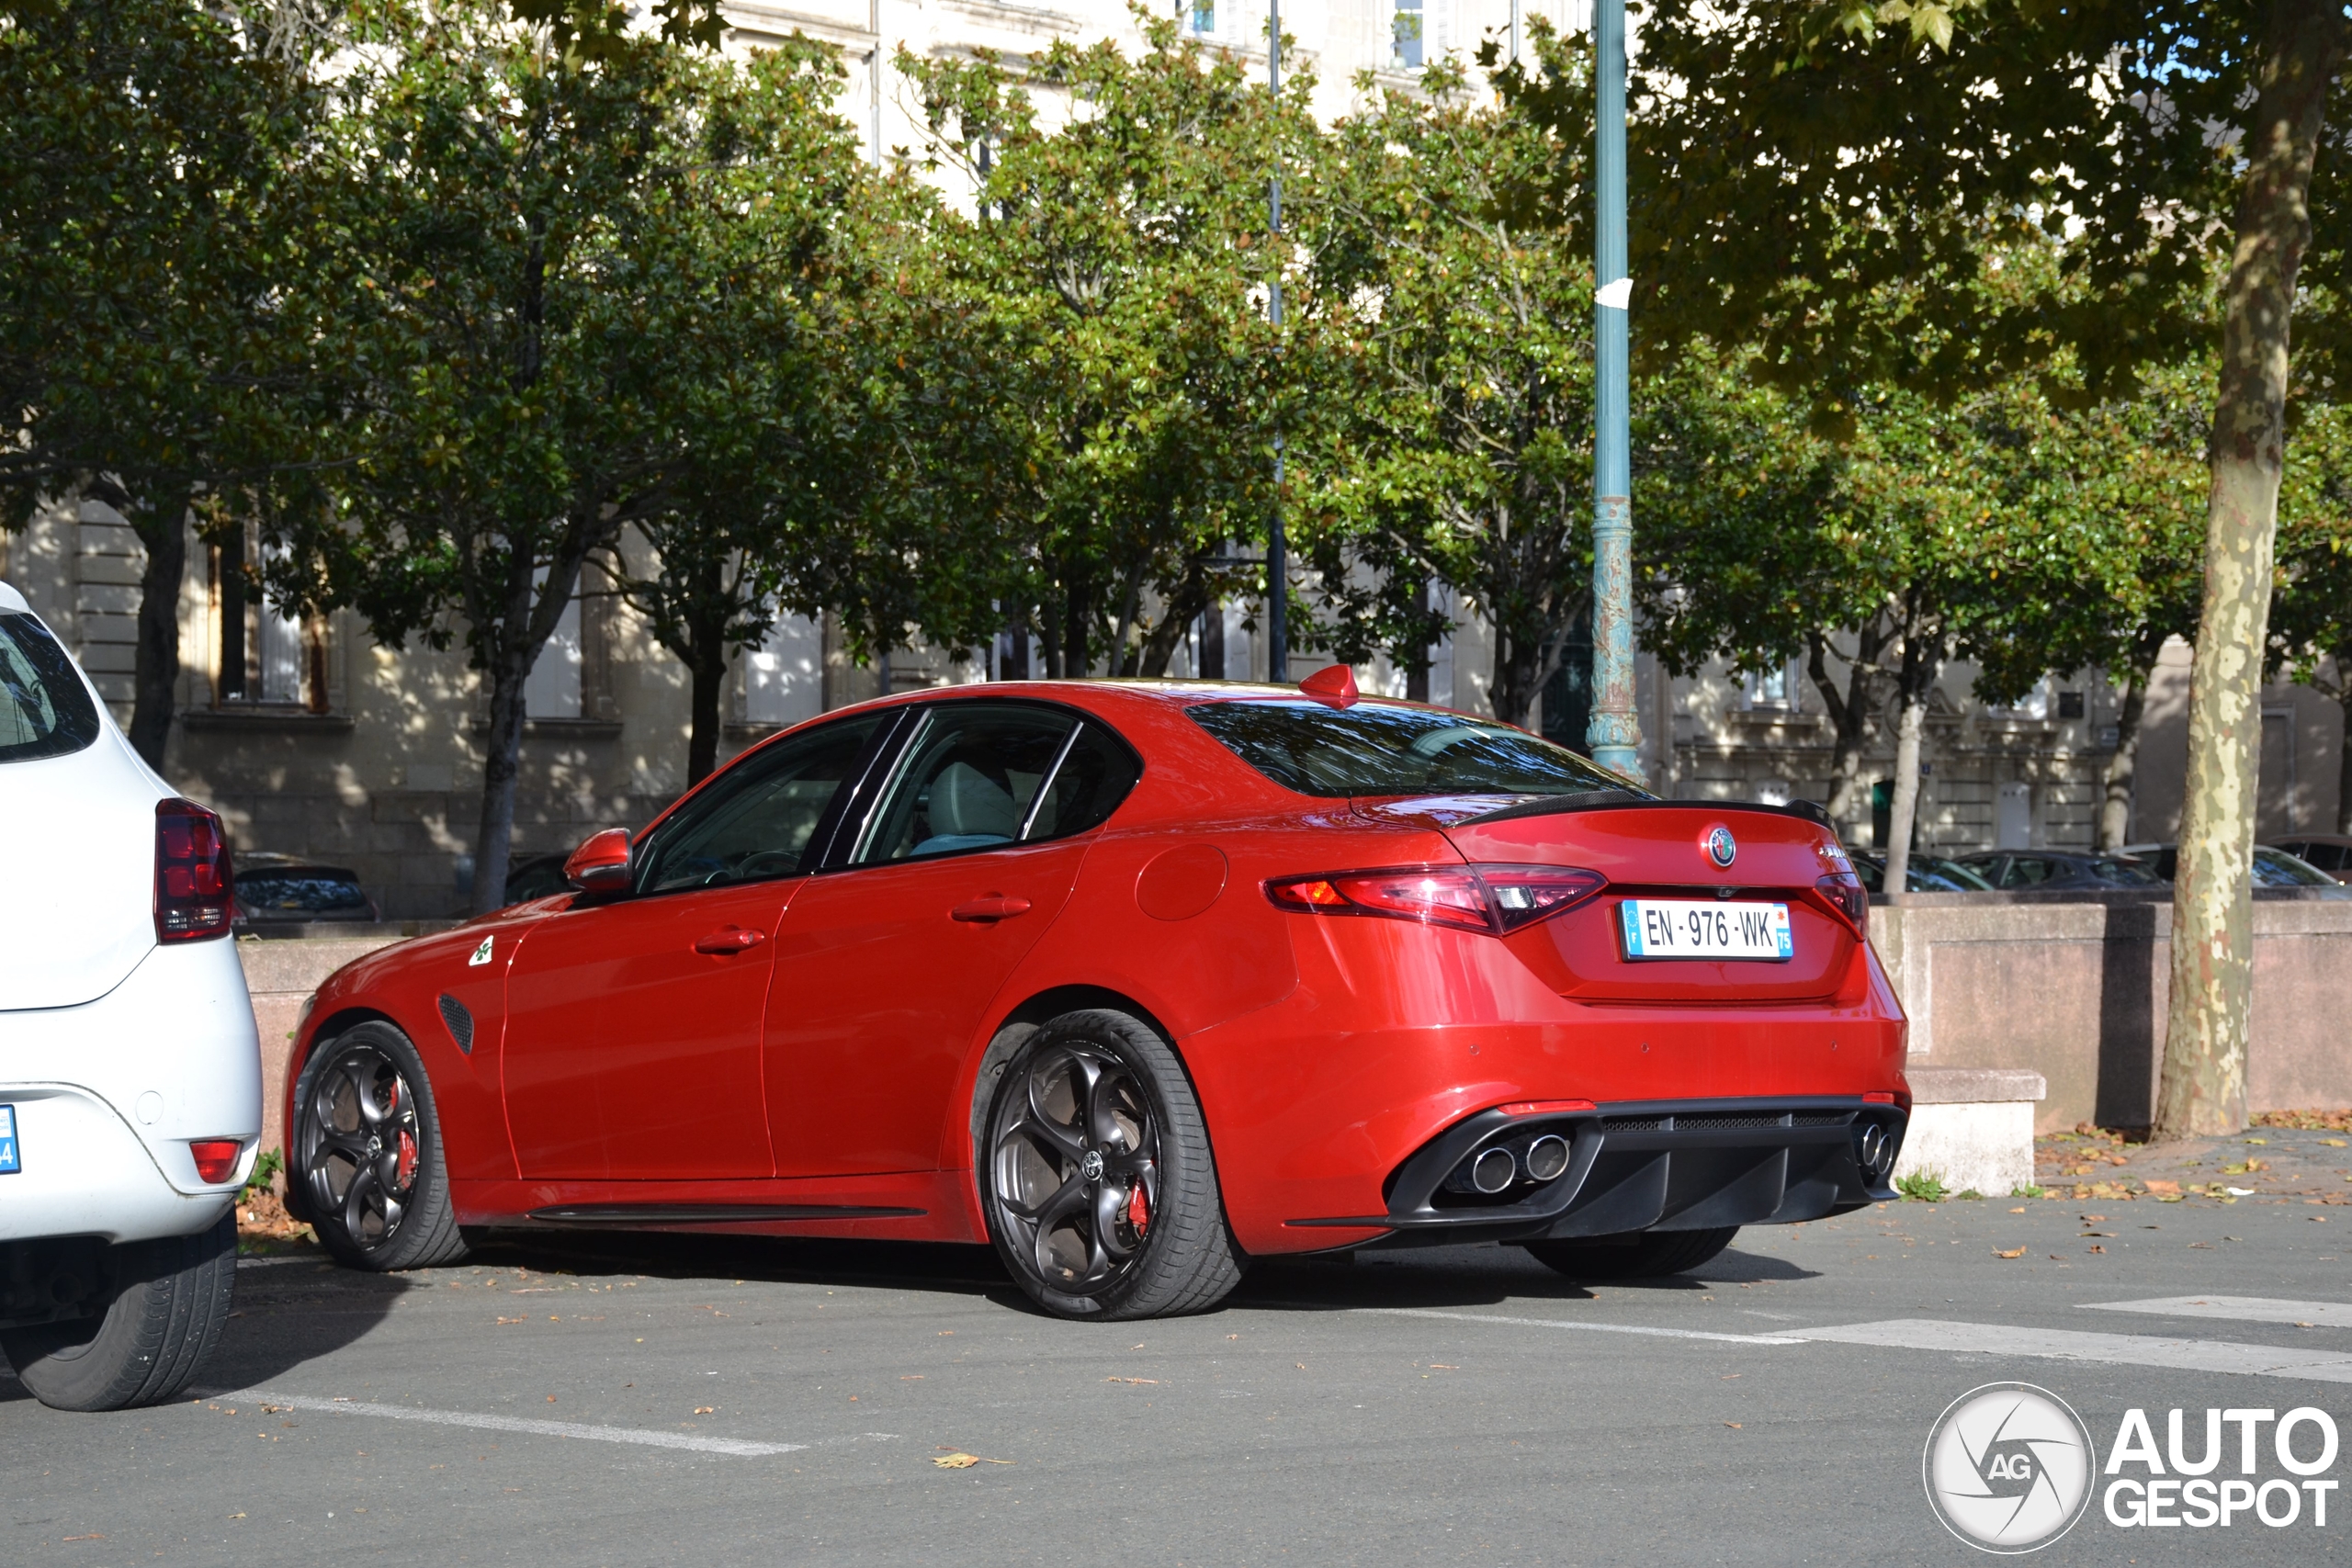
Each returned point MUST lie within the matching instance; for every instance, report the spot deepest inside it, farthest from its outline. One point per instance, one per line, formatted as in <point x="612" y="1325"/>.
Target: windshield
<point x="45" y="711"/>
<point x="1372" y="748"/>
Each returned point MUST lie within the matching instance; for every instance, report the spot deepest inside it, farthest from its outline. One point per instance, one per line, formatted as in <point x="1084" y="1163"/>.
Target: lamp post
<point x="1277" y="567"/>
<point x="1614" y="733"/>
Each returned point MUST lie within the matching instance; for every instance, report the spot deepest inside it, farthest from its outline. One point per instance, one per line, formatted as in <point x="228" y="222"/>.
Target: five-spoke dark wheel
<point x="368" y="1154"/>
<point x="1100" y="1189"/>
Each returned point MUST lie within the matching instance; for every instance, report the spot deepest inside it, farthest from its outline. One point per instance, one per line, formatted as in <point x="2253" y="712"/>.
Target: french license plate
<point x="9" y="1162"/>
<point x="1705" y="928"/>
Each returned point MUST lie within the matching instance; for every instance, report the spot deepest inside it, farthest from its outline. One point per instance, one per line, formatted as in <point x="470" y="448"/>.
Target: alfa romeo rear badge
<point x="1720" y="846"/>
<point x="2009" y="1467"/>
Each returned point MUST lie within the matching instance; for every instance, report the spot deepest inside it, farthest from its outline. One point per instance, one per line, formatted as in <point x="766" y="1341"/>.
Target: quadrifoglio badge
<point x="2009" y="1468"/>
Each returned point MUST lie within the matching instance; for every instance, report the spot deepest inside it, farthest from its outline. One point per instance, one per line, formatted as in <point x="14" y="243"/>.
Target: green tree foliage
<point x="1465" y="457"/>
<point x="544" y="346"/>
<point x="1089" y="387"/>
<point x="152" y="202"/>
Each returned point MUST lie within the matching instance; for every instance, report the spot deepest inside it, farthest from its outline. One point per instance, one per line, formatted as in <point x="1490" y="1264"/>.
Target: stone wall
<point x="2076" y="990"/>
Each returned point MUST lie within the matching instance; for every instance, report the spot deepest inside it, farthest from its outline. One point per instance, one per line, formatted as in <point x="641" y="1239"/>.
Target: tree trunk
<point x="161" y="526"/>
<point x="1906" y="807"/>
<point x="2202" y="1087"/>
<point x="2344" y="750"/>
<point x="1849" y="721"/>
<point x="708" y="670"/>
<point x="1190" y="600"/>
<point x="2115" y="809"/>
<point x="493" y="842"/>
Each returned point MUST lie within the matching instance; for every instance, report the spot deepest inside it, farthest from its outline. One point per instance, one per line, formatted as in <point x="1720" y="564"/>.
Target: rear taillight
<point x="1492" y="900"/>
<point x="216" y="1159"/>
<point x="192" y="877"/>
<point x="1844" y="893"/>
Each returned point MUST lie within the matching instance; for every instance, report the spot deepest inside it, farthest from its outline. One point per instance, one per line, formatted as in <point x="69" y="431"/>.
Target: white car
<point x="130" y="1068"/>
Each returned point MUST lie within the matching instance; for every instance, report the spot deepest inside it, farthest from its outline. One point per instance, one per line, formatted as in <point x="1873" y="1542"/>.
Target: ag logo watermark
<point x="2009" y="1467"/>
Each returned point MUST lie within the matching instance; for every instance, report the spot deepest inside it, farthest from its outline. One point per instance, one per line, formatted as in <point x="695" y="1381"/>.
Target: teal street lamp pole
<point x="1615" y="734"/>
<point x="1277" y="567"/>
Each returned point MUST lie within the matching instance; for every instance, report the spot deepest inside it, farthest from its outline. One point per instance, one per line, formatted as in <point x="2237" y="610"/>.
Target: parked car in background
<point x="2330" y="852"/>
<point x="2059" y="870"/>
<point x="1926" y="874"/>
<point x="537" y="877"/>
<point x="2273" y="867"/>
<point x="1136" y="980"/>
<point x="129" y="1068"/>
<point x="287" y="889"/>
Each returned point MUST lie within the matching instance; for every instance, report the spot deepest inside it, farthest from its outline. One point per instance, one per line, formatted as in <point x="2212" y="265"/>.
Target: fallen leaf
<point x="914" y="1377"/>
<point x="1300" y="1365"/>
<point x="2161" y="1186"/>
<point x="2093" y="1219"/>
<point x="1233" y="1337"/>
<point x="2018" y="1210"/>
<point x="1152" y="1383"/>
<point x="946" y="1334"/>
<point x="960" y="1460"/>
<point x="706" y="1409"/>
<point x="85" y="1538"/>
<point x="2013" y="1252"/>
<point x="2097" y="1247"/>
<point x="1444" y="1366"/>
<point x="1733" y="1424"/>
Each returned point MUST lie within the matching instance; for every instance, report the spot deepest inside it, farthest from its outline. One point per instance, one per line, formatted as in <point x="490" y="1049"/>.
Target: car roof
<point x="12" y="600"/>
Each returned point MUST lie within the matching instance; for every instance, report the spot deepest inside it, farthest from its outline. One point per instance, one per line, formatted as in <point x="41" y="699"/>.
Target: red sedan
<point x="1137" y="981"/>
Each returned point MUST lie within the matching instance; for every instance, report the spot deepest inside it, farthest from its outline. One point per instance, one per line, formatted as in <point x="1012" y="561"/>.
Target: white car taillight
<point x="193" y="881"/>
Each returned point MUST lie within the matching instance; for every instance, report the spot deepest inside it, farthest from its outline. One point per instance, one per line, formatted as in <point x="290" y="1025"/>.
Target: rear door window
<point x="983" y="775"/>
<point x="45" y="711"/>
<point x="2025" y="871"/>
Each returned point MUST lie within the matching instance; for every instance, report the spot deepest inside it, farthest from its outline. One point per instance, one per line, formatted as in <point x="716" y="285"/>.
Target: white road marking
<point x="2122" y="1349"/>
<point x="2242" y="1309"/>
<point x="734" y="1446"/>
<point x="1584" y="1327"/>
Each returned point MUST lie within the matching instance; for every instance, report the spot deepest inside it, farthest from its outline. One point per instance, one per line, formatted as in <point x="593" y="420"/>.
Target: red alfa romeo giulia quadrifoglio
<point x="1137" y="981"/>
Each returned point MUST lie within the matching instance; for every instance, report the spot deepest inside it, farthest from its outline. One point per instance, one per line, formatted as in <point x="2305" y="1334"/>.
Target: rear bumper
<point x="86" y="1173"/>
<point x="1673" y="1165"/>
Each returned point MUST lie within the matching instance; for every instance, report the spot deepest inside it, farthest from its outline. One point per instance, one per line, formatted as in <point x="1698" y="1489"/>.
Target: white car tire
<point x="170" y="1299"/>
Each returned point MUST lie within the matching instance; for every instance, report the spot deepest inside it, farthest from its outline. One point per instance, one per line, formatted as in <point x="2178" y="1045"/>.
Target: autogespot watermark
<point x="2009" y="1468"/>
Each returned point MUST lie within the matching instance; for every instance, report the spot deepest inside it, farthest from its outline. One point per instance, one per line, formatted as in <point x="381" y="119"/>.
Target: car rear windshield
<point x="1375" y="749"/>
<point x="45" y="711"/>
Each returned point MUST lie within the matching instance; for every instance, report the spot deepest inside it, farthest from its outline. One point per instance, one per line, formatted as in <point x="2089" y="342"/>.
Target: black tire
<point x="367" y="1153"/>
<point x="1653" y="1254"/>
<point x="169" y="1299"/>
<point x="1097" y="1178"/>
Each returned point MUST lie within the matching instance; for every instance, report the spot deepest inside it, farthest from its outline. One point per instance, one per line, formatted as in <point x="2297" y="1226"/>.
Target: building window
<point x="268" y="652"/>
<point x="1776" y="689"/>
<point x="784" y="678"/>
<point x="1200" y="16"/>
<point x="552" y="689"/>
<point x="1405" y="49"/>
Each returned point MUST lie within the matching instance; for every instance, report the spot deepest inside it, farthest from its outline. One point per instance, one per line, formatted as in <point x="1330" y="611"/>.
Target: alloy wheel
<point x="1076" y="1161"/>
<point x="360" y="1145"/>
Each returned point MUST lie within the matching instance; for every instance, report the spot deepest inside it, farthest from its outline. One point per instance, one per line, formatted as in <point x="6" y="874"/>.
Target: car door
<point x="886" y="963"/>
<point x="634" y="1021"/>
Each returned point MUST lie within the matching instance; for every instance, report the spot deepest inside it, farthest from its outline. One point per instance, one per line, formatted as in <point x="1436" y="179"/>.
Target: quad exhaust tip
<point x="1547" y="1157"/>
<point x="1492" y="1171"/>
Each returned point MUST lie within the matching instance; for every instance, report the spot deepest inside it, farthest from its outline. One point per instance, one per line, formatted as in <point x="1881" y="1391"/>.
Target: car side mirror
<point x="600" y="865"/>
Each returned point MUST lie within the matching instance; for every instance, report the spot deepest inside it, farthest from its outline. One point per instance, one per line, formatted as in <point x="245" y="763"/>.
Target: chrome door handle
<point x="989" y="909"/>
<point x="729" y="939"/>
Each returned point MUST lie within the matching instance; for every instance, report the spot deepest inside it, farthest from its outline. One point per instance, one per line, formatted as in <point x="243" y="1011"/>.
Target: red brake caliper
<point x="1139" y="1211"/>
<point x="408" y="1158"/>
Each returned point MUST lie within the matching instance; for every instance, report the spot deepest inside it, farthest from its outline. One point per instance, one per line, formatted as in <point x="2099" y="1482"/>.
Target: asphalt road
<point x="664" y="1400"/>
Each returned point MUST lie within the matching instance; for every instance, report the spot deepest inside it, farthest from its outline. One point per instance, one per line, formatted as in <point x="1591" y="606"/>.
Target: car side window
<point x="2024" y="871"/>
<point x="981" y="775"/>
<point x="755" y="821"/>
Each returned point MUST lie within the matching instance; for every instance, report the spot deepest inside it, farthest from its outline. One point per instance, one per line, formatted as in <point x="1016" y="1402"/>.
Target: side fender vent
<point x="460" y="1022"/>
